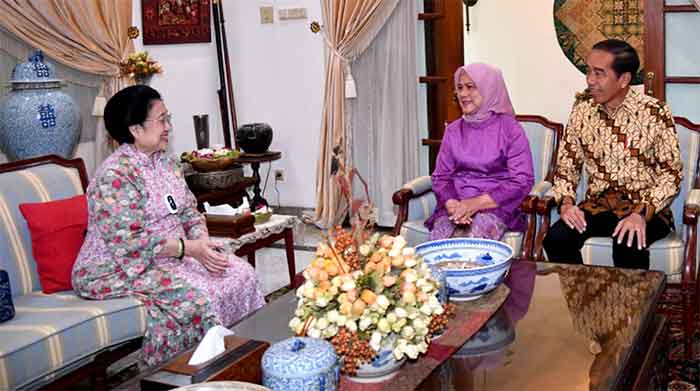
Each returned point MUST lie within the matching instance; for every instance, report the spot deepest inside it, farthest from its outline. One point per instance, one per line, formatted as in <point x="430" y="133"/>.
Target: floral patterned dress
<point x="131" y="214"/>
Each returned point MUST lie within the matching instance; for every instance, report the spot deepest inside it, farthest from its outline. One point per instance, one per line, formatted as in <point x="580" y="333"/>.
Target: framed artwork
<point x="175" y="21"/>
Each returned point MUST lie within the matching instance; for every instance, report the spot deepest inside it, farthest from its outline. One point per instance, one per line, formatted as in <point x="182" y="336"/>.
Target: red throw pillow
<point x="58" y="230"/>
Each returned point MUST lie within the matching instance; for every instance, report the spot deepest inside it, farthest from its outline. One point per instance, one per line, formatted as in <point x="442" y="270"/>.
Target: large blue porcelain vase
<point x="37" y="118"/>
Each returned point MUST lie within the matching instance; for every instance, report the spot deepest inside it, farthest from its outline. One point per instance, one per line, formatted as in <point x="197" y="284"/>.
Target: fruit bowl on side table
<point x="472" y="266"/>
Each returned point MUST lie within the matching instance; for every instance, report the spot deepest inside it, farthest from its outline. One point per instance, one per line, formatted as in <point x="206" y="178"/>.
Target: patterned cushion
<point x="36" y="184"/>
<point x="57" y="332"/>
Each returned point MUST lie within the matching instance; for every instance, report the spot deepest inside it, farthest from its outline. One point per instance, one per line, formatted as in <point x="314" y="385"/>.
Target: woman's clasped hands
<point x="206" y="252"/>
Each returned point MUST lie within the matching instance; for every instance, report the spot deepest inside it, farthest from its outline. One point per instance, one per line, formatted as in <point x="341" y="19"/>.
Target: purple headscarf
<point x="489" y="80"/>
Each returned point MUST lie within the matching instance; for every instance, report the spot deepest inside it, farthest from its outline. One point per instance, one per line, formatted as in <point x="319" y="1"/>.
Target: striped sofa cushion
<point x="36" y="184"/>
<point x="53" y="334"/>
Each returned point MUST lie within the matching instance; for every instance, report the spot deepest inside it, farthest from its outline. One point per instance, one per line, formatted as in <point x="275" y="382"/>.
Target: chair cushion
<point x="52" y="332"/>
<point x="57" y="229"/>
<point x="415" y="233"/>
<point x="665" y="254"/>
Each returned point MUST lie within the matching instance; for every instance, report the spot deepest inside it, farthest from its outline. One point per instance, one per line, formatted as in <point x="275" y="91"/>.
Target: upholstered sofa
<point x="416" y="200"/>
<point x="54" y="338"/>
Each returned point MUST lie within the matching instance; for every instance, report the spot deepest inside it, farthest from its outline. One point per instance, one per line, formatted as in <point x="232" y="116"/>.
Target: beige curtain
<point x="88" y="35"/>
<point x="349" y="28"/>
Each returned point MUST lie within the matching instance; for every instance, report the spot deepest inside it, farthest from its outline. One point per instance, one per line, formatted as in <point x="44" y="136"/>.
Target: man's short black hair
<point x="128" y="107"/>
<point x="626" y="58"/>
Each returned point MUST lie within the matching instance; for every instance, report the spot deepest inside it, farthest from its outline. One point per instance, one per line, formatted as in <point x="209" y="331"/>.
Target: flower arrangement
<point x="139" y="66"/>
<point x="363" y="298"/>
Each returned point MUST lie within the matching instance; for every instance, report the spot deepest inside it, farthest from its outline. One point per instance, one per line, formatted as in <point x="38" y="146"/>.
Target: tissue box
<point x="299" y="364"/>
<point x="230" y="226"/>
<point x="240" y="361"/>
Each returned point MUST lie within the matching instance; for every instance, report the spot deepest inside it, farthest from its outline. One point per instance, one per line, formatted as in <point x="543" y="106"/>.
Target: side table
<point x="278" y="227"/>
<point x="231" y="195"/>
<point x="255" y="159"/>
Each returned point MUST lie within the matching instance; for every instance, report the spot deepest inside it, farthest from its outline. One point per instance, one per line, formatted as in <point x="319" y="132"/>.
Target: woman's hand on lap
<point x="205" y="251"/>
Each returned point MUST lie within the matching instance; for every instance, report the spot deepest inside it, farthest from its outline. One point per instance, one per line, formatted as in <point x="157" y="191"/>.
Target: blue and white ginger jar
<point x="37" y="118"/>
<point x="301" y="364"/>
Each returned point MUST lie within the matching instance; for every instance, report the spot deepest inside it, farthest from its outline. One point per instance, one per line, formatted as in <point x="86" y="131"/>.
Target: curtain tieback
<point x="350" y="87"/>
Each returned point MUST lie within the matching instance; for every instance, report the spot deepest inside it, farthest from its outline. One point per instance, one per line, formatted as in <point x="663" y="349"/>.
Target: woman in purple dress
<point x="146" y="239"/>
<point x="484" y="168"/>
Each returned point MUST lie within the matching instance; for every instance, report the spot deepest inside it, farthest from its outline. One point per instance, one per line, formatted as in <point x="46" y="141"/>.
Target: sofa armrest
<point x="410" y="190"/>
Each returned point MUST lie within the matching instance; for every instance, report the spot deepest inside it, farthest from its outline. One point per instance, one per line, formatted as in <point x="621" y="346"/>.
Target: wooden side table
<point x="277" y="228"/>
<point x="254" y="159"/>
<point x="232" y="195"/>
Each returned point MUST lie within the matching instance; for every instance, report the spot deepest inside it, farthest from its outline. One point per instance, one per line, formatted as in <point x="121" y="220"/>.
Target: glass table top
<point x="562" y="327"/>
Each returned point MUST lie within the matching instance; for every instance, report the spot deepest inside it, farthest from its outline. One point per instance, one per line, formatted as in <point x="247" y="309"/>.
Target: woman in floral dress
<point x="147" y="240"/>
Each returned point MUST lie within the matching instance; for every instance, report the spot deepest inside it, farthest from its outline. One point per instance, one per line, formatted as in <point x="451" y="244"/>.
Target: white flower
<point x="321" y="302"/>
<point x="351" y="326"/>
<point x="408" y="251"/>
<point x="408" y="332"/>
<point x="314" y="333"/>
<point x="391" y="317"/>
<point x="364" y="323"/>
<point x="376" y="341"/>
<point x="408" y="298"/>
<point x="383" y="325"/>
<point x="336" y="281"/>
<point x="364" y="250"/>
<point x="400" y="312"/>
<point x="412" y="351"/>
<point x="426" y="309"/>
<point x="383" y="302"/>
<point x="342" y="319"/>
<point x="332" y="316"/>
<point x="398" y="352"/>
<point x="322" y="323"/>
<point x="418" y="323"/>
<point x="410" y="262"/>
<point x="412" y="312"/>
<point x="396" y="327"/>
<point x="330" y="331"/>
<point x="348" y="285"/>
<point x="295" y="323"/>
<point x="410" y="275"/>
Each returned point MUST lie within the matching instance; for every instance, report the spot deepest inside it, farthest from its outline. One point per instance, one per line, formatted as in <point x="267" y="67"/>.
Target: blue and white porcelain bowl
<point x="492" y="258"/>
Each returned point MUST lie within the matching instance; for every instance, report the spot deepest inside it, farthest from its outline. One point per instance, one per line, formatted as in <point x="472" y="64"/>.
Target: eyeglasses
<point x="166" y="119"/>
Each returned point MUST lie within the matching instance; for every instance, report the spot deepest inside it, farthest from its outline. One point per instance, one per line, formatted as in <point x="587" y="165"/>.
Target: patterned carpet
<point x="679" y="368"/>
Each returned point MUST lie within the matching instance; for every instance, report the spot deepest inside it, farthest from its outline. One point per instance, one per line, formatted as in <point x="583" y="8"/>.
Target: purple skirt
<point x="484" y="225"/>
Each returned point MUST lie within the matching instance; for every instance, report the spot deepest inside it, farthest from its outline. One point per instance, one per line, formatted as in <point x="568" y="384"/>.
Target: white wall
<point x="277" y="72"/>
<point x="519" y="37"/>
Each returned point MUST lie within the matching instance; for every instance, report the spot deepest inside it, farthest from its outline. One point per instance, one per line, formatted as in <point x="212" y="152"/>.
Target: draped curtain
<point x="349" y="28"/>
<point x="385" y="134"/>
<point x="87" y="35"/>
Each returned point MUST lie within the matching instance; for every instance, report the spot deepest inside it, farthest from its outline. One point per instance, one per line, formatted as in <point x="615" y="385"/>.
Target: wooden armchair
<point x="416" y="201"/>
<point x="677" y="253"/>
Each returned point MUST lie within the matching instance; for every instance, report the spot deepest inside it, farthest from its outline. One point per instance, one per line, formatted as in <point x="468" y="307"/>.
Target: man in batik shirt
<point x="628" y="144"/>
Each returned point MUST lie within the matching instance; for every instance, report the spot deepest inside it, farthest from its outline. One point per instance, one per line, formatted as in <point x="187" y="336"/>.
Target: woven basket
<point x="215" y="180"/>
<point x="208" y="165"/>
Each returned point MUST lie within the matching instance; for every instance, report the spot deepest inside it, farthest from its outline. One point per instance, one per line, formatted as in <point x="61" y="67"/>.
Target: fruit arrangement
<point x="361" y="295"/>
<point x="208" y="159"/>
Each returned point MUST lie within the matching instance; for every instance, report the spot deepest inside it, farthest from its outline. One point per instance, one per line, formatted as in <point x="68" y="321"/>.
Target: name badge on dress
<point x="170" y="203"/>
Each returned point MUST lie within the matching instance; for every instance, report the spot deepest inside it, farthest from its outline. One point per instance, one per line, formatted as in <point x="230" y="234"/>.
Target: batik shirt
<point x="631" y="157"/>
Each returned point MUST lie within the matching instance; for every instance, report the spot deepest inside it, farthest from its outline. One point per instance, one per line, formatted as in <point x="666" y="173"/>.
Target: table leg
<point x="251" y="258"/>
<point x="289" y="248"/>
<point x="258" y="201"/>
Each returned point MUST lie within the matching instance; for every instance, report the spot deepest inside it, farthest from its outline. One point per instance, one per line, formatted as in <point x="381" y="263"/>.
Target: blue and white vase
<point x="37" y="118"/>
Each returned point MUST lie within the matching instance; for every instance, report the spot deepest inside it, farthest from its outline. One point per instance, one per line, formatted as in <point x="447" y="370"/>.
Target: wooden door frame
<point x="655" y="47"/>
